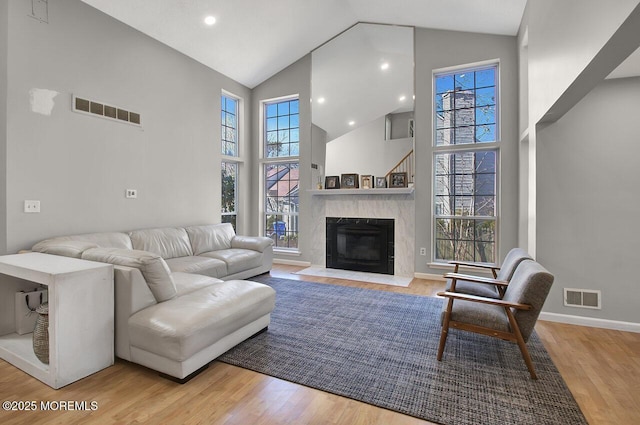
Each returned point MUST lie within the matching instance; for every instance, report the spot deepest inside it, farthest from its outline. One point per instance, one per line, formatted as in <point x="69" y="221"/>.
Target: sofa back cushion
<point x="67" y="248"/>
<point x="167" y="242"/>
<point x="103" y="240"/>
<point x="153" y="268"/>
<point x="210" y="237"/>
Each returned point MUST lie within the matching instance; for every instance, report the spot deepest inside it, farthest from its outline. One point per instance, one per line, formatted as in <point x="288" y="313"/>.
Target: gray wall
<point x="569" y="43"/>
<point x="436" y="49"/>
<point x="293" y="80"/>
<point x="588" y="200"/>
<point x="79" y="166"/>
<point x="4" y="33"/>
<point x="564" y="37"/>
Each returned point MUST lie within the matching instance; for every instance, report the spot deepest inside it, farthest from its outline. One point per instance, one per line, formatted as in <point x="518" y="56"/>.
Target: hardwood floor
<point x="601" y="367"/>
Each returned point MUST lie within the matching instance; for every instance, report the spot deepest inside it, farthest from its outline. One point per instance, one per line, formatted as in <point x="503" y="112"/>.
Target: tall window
<point x="229" y="127"/>
<point x="281" y="172"/>
<point x="229" y="193"/>
<point x="230" y="152"/>
<point x="466" y="165"/>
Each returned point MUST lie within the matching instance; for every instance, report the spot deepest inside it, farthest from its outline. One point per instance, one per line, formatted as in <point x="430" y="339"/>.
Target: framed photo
<point x="349" y="181"/>
<point x="381" y="182"/>
<point x="398" y="179"/>
<point x="332" y="182"/>
<point x="366" y="182"/>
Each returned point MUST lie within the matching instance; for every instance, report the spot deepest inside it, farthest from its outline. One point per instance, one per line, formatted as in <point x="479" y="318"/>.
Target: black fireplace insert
<point x="360" y="244"/>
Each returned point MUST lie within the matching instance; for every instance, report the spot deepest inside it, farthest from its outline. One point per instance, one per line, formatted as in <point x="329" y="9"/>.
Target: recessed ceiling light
<point x="384" y="66"/>
<point x="210" y="20"/>
<point x="402" y="98"/>
<point x="352" y="123"/>
<point x="321" y="100"/>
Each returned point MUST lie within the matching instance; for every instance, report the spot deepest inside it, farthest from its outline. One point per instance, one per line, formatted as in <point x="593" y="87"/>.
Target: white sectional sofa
<point x="180" y="298"/>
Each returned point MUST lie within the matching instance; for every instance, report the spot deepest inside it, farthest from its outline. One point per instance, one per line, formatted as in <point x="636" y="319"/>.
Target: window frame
<point x="467" y="147"/>
<point x="236" y="199"/>
<point x="265" y="161"/>
<point x="236" y="159"/>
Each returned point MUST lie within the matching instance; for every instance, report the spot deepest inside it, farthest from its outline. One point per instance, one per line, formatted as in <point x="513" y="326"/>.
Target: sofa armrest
<point x="132" y="294"/>
<point x="256" y="243"/>
<point x="153" y="268"/>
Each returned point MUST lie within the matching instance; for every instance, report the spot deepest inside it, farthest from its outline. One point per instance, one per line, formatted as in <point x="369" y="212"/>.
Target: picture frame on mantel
<point x="398" y="179"/>
<point x="366" y="182"/>
<point x="381" y="182"/>
<point x="349" y="181"/>
<point x="332" y="182"/>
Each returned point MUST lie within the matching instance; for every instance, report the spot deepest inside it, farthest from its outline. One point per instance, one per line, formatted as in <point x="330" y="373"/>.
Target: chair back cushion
<point x="510" y="263"/>
<point x="530" y="284"/>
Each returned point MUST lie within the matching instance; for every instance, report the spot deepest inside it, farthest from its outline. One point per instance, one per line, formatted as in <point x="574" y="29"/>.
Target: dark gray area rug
<point x="380" y="348"/>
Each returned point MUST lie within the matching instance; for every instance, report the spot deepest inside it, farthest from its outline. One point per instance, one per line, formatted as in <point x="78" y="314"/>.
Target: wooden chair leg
<point x="445" y="329"/>
<point x="521" y="343"/>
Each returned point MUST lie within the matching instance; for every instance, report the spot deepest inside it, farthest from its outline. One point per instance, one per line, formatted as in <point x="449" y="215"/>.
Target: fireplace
<point x="360" y="244"/>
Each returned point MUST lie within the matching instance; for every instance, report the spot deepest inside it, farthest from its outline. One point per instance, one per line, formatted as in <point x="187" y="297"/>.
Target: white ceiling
<point x="254" y="39"/>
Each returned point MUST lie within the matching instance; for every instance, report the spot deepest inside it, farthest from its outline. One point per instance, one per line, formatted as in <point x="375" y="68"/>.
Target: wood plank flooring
<point x="601" y="367"/>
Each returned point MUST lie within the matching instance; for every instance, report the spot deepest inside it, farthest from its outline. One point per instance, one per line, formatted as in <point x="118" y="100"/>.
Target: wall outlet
<point x="32" y="206"/>
<point x="131" y="193"/>
<point x="423" y="251"/>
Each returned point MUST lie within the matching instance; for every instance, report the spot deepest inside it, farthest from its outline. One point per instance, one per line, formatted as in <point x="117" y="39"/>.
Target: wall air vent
<point x="583" y="298"/>
<point x="99" y="109"/>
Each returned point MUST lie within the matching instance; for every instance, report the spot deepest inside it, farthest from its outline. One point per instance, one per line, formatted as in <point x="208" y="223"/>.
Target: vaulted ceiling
<point x="254" y="39"/>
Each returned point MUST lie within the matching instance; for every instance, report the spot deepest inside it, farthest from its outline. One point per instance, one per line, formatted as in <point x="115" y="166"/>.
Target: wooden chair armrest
<point x="476" y="279"/>
<point x="484" y="300"/>
<point x="476" y="265"/>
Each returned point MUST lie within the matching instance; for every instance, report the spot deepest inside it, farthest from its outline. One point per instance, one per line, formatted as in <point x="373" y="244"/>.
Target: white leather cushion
<point x="104" y="239"/>
<point x="189" y="282"/>
<point x="183" y="326"/>
<point x="200" y="265"/>
<point x="256" y="243"/>
<point x="210" y="237"/>
<point x="237" y="260"/>
<point x="168" y="242"/>
<point x="153" y="268"/>
<point x="65" y="247"/>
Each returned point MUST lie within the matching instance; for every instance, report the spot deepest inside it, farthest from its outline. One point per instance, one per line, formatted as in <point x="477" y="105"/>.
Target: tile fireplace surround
<point x="399" y="207"/>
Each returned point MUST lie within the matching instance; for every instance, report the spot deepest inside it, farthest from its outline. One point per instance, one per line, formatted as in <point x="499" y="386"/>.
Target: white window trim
<point x="263" y="162"/>
<point x="468" y="147"/>
<point x="240" y="159"/>
<point x="240" y="125"/>
<point x="472" y="66"/>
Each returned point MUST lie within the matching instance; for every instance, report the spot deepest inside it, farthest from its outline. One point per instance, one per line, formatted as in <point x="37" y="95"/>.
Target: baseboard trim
<point x="429" y="276"/>
<point x="591" y="322"/>
<point x="291" y="262"/>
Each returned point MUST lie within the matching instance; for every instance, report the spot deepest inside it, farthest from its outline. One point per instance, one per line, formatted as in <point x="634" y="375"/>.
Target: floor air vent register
<point x="584" y="298"/>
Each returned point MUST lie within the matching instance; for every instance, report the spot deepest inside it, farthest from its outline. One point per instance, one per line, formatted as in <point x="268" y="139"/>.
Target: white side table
<point x="81" y="319"/>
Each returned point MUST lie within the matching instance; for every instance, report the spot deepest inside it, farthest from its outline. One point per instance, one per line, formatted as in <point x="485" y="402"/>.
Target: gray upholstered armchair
<point x="511" y="318"/>
<point x="485" y="286"/>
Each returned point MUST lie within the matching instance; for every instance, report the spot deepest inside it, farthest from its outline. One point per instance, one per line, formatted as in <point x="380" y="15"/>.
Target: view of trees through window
<point x="281" y="172"/>
<point x="465" y="186"/>
<point x="229" y="191"/>
<point x="230" y="149"/>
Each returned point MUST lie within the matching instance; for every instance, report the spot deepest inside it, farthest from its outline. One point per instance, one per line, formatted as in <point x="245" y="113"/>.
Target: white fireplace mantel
<point x="379" y="191"/>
